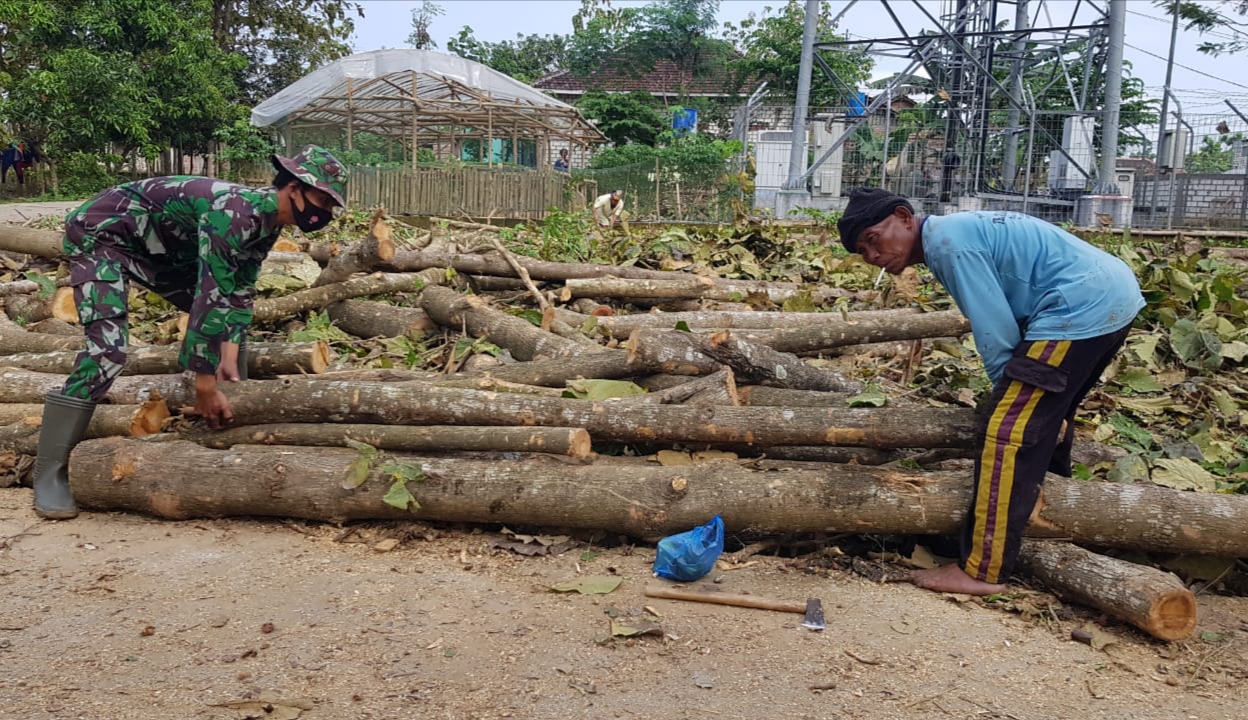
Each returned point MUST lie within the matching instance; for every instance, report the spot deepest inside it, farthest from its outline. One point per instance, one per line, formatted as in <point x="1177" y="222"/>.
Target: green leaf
<point x="1128" y="469"/>
<point x="872" y="396"/>
<point x="589" y="585"/>
<point x="1198" y="349"/>
<point x="1130" y="431"/>
<point x="1183" y="474"/>
<point x="357" y="472"/>
<point x="602" y="389"/>
<point x="533" y="316"/>
<point x="1139" y="380"/>
<point x="398" y="496"/>
<point x="683" y="326"/>
<point x="47" y="286"/>
<point x="404" y="472"/>
<point x="364" y="449"/>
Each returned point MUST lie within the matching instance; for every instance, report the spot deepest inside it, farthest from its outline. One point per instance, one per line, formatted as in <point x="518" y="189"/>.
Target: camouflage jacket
<point x="193" y="236"/>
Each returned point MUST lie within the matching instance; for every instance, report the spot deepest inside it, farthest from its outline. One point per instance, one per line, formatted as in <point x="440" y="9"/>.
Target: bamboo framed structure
<point x="421" y="98"/>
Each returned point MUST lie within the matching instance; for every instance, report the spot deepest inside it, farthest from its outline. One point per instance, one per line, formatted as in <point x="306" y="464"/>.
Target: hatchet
<point x="812" y="609"/>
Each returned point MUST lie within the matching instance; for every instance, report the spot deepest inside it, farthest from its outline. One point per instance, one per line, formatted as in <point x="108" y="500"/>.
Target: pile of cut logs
<point x="763" y="437"/>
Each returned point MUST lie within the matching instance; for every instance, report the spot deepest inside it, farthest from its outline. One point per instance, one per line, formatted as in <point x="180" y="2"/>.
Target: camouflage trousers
<point x="100" y="274"/>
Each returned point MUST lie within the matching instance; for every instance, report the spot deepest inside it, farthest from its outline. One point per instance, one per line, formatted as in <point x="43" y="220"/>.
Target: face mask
<point x="311" y="218"/>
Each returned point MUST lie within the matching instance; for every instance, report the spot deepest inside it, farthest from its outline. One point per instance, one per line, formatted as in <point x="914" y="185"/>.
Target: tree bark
<point x="604" y="365"/>
<point x="691" y="286"/>
<point x="32" y="309"/>
<point x="1150" y="599"/>
<point x="29" y="241"/>
<point x="832" y="454"/>
<point x="26" y="386"/>
<point x="313" y="400"/>
<point x="52" y="326"/>
<point x="107" y="421"/>
<point x="471" y="264"/>
<point x="762" y="396"/>
<point x="572" y="442"/>
<point x="682" y="353"/>
<point x="822" y="336"/>
<point x="621" y="326"/>
<point x="14" y="340"/>
<point x="369" y="319"/>
<point x="263" y="360"/>
<point x="316" y="298"/>
<point x="362" y="256"/>
<point x="181" y="480"/>
<point x="18" y="287"/>
<point x="525" y="340"/>
<point x="718" y="388"/>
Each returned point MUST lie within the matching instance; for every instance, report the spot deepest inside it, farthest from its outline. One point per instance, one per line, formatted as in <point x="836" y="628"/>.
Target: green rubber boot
<point x="65" y="421"/>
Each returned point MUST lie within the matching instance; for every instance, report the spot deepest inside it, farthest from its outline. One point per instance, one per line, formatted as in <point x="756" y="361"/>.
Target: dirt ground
<point x="117" y="616"/>
<point x="21" y="212"/>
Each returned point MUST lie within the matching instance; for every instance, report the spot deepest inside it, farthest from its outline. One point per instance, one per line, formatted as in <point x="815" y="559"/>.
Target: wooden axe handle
<point x="719" y="598"/>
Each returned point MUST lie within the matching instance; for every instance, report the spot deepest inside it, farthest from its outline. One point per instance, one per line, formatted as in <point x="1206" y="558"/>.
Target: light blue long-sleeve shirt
<point x="1017" y="278"/>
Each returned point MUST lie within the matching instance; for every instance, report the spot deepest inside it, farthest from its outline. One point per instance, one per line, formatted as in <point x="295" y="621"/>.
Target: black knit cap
<point x="867" y="206"/>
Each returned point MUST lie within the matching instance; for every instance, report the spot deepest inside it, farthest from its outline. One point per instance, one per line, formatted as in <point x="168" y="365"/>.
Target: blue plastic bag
<point x="687" y="556"/>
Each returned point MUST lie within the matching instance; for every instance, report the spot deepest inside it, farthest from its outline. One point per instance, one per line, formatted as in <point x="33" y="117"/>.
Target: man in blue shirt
<point x="1049" y="312"/>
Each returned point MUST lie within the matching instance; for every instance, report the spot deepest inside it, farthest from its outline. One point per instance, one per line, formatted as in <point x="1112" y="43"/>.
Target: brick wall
<point x="1200" y="199"/>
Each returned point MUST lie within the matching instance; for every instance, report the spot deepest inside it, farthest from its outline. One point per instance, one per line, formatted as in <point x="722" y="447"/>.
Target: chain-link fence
<point x="654" y="191"/>
<point x="1040" y="163"/>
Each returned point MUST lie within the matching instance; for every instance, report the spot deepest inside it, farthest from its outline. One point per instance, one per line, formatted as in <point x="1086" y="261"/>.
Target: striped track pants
<point x="1044" y="384"/>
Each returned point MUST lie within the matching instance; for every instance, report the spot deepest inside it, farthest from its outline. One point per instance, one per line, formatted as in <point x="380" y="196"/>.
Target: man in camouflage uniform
<point x="198" y="243"/>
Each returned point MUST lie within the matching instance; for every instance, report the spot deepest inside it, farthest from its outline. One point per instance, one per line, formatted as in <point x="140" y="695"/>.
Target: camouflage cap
<point x="316" y="167"/>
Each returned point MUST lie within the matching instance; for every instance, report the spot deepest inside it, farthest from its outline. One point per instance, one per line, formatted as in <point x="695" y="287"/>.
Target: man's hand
<point x="227" y="369"/>
<point x="210" y="403"/>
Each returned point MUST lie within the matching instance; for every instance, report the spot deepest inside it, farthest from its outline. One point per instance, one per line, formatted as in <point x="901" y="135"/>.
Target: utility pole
<point x="1113" y="96"/>
<point x="950" y="159"/>
<point x="797" y="153"/>
<point x="1165" y="109"/>
<point x="1013" y="128"/>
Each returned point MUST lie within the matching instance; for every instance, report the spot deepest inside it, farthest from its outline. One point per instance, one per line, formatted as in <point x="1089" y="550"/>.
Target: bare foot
<point x="951" y="579"/>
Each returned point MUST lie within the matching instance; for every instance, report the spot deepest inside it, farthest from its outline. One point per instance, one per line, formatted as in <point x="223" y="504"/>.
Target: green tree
<point x="422" y="20"/>
<point x="281" y="40"/>
<point x="769" y="48"/>
<point x="624" y="117"/>
<point x="1216" y="17"/>
<point x="526" y="58"/>
<point x="1214" y="155"/>
<point x="129" y="73"/>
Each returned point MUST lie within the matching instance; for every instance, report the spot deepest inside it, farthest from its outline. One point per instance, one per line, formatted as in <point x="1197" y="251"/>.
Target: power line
<point x="1211" y="33"/>
<point x="1189" y="69"/>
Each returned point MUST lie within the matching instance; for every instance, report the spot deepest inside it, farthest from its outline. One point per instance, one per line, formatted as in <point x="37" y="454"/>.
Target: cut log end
<point x="63" y="307"/>
<point x="284" y="245"/>
<point x="320" y="358"/>
<point x="150" y="418"/>
<point x="579" y="443"/>
<point x="1173" y="615"/>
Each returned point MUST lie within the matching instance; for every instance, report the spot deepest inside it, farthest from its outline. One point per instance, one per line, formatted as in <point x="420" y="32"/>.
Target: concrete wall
<point x="1200" y="199"/>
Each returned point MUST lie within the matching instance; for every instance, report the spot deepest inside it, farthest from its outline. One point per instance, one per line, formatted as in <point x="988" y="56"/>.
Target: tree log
<point x="692" y="286"/>
<point x="108" y="420"/>
<point x="621" y="326"/>
<point x="53" y="326"/>
<point x="525" y="340"/>
<point x="302" y="301"/>
<point x="14" y="340"/>
<point x="718" y="388"/>
<point x="832" y="454"/>
<point x="572" y="442"/>
<point x="821" y="336"/>
<point x="181" y="480"/>
<point x="1150" y="599"/>
<point x="18" y="287"/>
<point x="604" y="365"/>
<point x="762" y="396"/>
<point x="362" y="256"/>
<point x="682" y="353"/>
<point x="471" y="264"/>
<point x="29" y="241"/>
<point x="26" y="386"/>
<point x="369" y="319"/>
<point x="32" y="309"/>
<point x="312" y="400"/>
<point x="263" y="360"/>
<point x="20" y="437"/>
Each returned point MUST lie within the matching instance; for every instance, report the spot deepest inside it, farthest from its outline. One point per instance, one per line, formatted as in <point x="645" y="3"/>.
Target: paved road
<point x="23" y="212"/>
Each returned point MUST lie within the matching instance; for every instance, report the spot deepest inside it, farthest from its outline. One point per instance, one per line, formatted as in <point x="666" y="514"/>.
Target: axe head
<point x="814" y="615"/>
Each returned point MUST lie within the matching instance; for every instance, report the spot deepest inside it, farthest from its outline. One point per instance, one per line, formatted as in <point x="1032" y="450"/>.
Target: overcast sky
<point x="1201" y="88"/>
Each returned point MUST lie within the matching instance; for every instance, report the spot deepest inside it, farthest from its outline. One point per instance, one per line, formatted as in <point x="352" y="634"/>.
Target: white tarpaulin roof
<point x="372" y="91"/>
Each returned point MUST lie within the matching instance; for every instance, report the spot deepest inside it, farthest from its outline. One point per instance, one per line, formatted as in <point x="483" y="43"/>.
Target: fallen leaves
<point x="589" y="585"/>
<point x="267" y="708"/>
